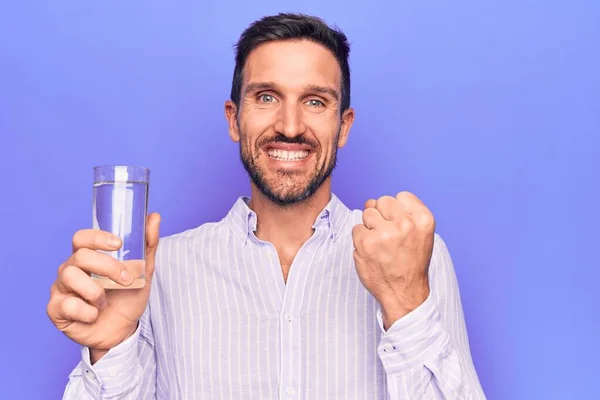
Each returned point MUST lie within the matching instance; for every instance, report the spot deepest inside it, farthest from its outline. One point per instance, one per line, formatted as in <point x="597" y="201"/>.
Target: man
<point x="291" y="295"/>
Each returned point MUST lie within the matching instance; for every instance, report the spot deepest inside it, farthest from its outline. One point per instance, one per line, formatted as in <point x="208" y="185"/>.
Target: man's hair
<point x="288" y="27"/>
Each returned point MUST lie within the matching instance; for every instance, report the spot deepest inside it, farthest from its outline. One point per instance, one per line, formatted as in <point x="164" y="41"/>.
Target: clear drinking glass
<point x="120" y="204"/>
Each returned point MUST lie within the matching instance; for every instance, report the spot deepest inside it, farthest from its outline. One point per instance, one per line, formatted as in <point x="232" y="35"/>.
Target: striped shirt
<point x="221" y="323"/>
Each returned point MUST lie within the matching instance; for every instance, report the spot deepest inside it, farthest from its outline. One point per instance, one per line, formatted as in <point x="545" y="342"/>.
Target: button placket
<point x="290" y="322"/>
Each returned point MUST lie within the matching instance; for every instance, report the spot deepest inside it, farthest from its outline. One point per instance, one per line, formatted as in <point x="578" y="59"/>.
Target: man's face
<point x="289" y="124"/>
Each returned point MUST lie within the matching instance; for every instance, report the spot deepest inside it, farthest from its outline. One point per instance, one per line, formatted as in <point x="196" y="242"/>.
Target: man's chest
<point x="226" y="323"/>
<point x="248" y="286"/>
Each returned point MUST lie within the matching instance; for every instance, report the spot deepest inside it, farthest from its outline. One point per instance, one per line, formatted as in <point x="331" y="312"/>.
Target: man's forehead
<point x="303" y="61"/>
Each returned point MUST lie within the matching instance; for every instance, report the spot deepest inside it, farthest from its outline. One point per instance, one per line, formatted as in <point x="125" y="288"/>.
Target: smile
<point x="287" y="155"/>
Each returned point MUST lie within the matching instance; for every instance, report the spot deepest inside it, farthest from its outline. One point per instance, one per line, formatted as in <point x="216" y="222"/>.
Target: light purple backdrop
<point x="488" y="112"/>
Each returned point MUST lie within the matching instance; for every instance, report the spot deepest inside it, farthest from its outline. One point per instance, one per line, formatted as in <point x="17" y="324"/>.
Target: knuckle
<point x="367" y="214"/>
<point x="408" y="198"/>
<point x="425" y="220"/>
<point x="403" y="194"/>
<point x="385" y="202"/>
<point x="61" y="268"/>
<point x="390" y="235"/>
<point x="69" y="273"/>
<point x="50" y="310"/>
<point x="385" y="199"/>
<point x="70" y="307"/>
<point x="53" y="291"/>
<point x="407" y="224"/>
<point x="369" y="211"/>
<point x="370" y="214"/>
<point x="370" y="242"/>
<point x="358" y="233"/>
<point x="80" y="256"/>
<point x="75" y="257"/>
<point x="78" y="238"/>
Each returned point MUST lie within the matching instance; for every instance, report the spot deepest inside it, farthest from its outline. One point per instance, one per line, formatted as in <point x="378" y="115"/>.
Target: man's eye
<point x="266" y="98"/>
<point x="315" y="103"/>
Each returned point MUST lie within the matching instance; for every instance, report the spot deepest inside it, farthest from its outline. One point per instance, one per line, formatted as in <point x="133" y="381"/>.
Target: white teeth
<point x="285" y="155"/>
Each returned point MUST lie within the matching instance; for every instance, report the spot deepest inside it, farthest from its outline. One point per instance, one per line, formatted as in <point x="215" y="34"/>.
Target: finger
<point x="75" y="309"/>
<point x="419" y="212"/>
<point x="56" y="297"/>
<point x="152" y="238"/>
<point x="76" y="281"/>
<point x="372" y="218"/>
<point x="358" y="232"/>
<point x="371" y="203"/>
<point x="92" y="261"/>
<point x="409" y="201"/>
<point x="362" y="240"/>
<point x="95" y="239"/>
<point x="389" y="208"/>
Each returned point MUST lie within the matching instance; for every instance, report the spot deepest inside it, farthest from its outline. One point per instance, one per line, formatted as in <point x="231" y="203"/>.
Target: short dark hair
<point x="286" y="26"/>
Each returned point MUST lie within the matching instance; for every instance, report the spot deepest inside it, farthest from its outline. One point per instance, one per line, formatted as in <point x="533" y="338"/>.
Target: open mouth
<point x="287" y="155"/>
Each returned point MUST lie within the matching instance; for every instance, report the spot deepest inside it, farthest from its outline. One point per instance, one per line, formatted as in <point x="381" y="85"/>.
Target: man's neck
<point x="288" y="226"/>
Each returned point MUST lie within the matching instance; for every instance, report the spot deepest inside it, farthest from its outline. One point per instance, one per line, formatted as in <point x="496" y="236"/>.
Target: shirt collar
<point x="242" y="220"/>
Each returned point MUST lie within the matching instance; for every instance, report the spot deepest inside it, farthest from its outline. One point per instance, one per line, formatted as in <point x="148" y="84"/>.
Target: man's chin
<point x="284" y="198"/>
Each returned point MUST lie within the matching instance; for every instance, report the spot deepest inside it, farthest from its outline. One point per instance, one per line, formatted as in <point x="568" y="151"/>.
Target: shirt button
<point x="90" y="374"/>
<point x="387" y="348"/>
<point x="289" y="390"/>
<point x="289" y="317"/>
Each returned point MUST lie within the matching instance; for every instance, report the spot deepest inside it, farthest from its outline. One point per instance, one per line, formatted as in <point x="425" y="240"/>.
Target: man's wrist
<point x="97" y="354"/>
<point x="401" y="302"/>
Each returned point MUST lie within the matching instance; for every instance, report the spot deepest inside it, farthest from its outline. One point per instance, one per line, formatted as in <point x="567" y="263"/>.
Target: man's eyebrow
<point x="324" y="90"/>
<point x="258" y="86"/>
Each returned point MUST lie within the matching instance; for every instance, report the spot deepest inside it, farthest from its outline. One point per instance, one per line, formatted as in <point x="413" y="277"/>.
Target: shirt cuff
<point x="114" y="373"/>
<point x="413" y="339"/>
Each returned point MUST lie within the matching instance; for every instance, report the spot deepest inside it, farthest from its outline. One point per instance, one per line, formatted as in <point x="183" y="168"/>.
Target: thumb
<point x="152" y="236"/>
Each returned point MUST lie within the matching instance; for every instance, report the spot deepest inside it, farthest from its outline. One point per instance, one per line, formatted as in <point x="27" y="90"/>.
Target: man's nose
<point x="289" y="121"/>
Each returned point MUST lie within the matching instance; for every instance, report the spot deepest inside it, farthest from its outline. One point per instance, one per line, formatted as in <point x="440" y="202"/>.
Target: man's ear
<point x="347" y="121"/>
<point x="231" y="112"/>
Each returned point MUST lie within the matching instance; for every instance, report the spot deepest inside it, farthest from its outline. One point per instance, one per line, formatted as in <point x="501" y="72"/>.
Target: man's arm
<point x="127" y="371"/>
<point x="426" y="353"/>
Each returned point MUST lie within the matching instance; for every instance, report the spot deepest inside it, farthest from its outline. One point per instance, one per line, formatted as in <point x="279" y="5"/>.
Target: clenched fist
<point x="392" y="253"/>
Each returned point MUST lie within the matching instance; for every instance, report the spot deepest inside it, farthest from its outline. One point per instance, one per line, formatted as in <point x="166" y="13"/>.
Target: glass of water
<point x="120" y="204"/>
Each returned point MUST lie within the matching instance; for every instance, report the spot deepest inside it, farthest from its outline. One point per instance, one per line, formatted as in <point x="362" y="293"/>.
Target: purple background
<point x="488" y="112"/>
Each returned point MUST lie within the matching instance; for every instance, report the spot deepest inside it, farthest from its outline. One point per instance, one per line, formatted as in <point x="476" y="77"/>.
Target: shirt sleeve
<point x="426" y="353"/>
<point x="127" y="371"/>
